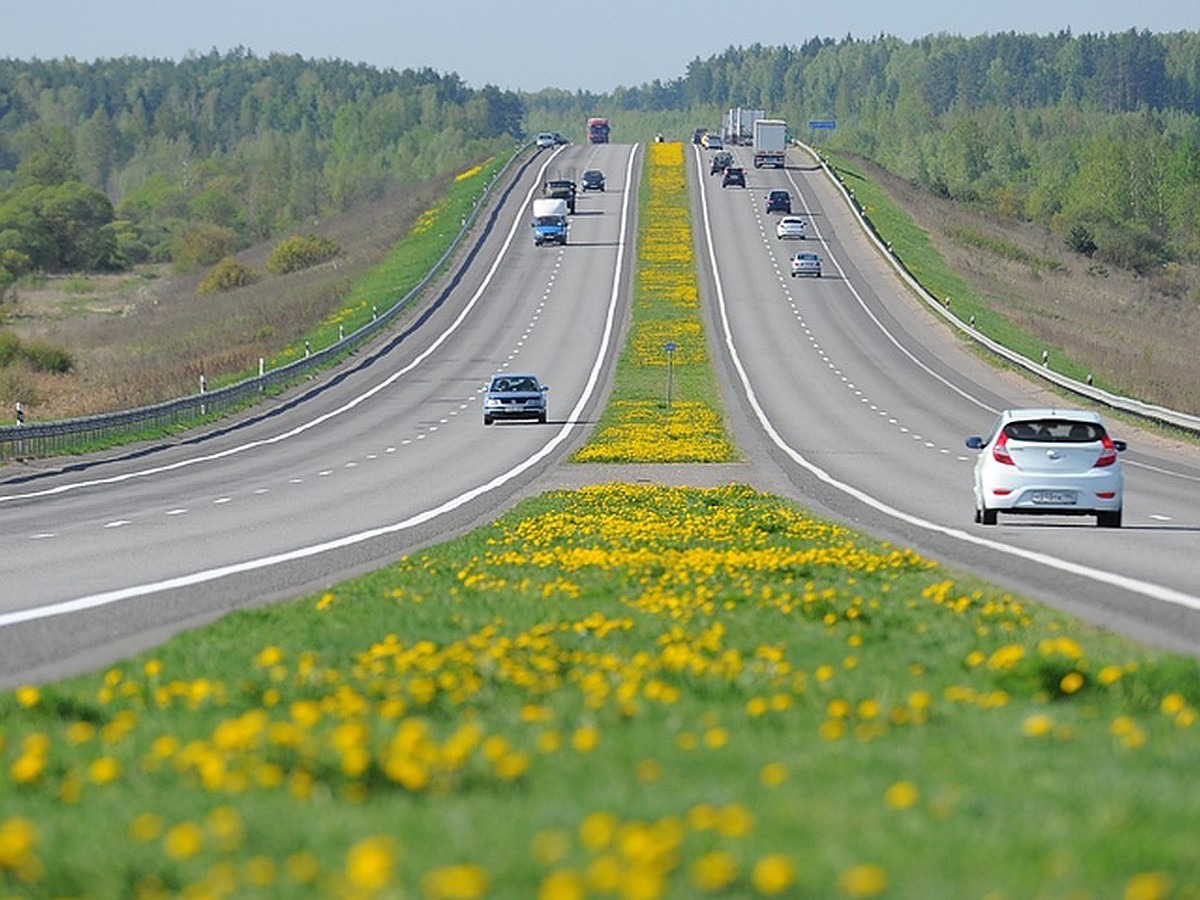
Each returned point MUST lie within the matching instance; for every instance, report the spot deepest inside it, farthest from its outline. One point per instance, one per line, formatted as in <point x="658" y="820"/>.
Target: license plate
<point x="1054" y="498"/>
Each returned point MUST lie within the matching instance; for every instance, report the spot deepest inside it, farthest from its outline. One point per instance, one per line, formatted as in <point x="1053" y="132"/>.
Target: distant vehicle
<point x="779" y="201"/>
<point x="515" y="397"/>
<point x="739" y="125"/>
<point x="806" y="264"/>
<point x="720" y="162"/>
<point x="559" y="139"/>
<point x="544" y="139"/>
<point x="770" y="143"/>
<point x="698" y="135"/>
<point x="561" y="189"/>
<point x="1048" y="462"/>
<point x="791" y="228"/>
<point x="597" y="130"/>
<point x="735" y="176"/>
<point x="712" y="141"/>
<point x="591" y="180"/>
<point x="550" y="224"/>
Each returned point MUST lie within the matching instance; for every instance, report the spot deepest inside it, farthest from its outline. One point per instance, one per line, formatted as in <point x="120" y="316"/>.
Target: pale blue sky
<point x="596" y="46"/>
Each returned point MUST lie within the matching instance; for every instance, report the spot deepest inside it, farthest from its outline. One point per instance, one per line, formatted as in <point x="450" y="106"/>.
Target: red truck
<point x="597" y="130"/>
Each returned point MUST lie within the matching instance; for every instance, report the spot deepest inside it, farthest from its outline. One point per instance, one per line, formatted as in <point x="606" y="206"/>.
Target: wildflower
<point x="1071" y="683"/>
<point x="104" y="770"/>
<point x="370" y="863"/>
<point x="183" y="841"/>
<point x="714" y="871"/>
<point x="866" y="880"/>
<point x="901" y="795"/>
<point x="28" y="696"/>
<point x="462" y="882"/>
<point x="1038" y="725"/>
<point x="773" y="875"/>
<point x="773" y="775"/>
<point x="562" y="884"/>
<point x="1148" y="886"/>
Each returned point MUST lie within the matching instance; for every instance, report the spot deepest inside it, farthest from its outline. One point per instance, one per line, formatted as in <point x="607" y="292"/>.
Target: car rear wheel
<point x="986" y="516"/>
<point x="1109" y="519"/>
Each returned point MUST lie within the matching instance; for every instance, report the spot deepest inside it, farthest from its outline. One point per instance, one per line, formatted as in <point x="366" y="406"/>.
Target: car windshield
<point x="1054" y="430"/>
<point x="509" y="384"/>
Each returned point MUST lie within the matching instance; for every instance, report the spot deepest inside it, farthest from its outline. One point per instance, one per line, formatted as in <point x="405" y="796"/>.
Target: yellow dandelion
<point x="370" y="863"/>
<point x="585" y="739"/>
<point x="28" y="696"/>
<point x="714" y="872"/>
<point x="597" y="830"/>
<point x="1071" y="683"/>
<point x="183" y="841"/>
<point x="866" y="880"/>
<point x="1038" y="725"/>
<point x="1148" y="886"/>
<point x="104" y="770"/>
<point x="773" y="874"/>
<point x="773" y="774"/>
<point x="461" y="882"/>
<point x="901" y="795"/>
<point x="562" y="884"/>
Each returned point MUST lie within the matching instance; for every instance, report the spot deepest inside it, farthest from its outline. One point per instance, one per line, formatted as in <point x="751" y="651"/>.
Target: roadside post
<point x="670" y="347"/>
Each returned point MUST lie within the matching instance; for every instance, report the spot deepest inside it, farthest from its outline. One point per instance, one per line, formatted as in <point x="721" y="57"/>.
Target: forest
<point x="110" y="163"/>
<point x="107" y="164"/>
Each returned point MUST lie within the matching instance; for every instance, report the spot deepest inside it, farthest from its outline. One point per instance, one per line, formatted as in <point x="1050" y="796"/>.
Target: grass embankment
<point x="618" y="692"/>
<point x="911" y="245"/>
<point x="377" y="291"/>
<point x="665" y="406"/>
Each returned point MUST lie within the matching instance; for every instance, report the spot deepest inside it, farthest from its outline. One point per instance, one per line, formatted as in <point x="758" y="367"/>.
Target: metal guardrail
<point x="1160" y="414"/>
<point x="65" y="435"/>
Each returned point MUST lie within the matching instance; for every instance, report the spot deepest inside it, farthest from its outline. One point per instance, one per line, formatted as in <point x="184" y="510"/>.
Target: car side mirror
<point x="1120" y="446"/>
<point x="975" y="443"/>
<point x="545" y="387"/>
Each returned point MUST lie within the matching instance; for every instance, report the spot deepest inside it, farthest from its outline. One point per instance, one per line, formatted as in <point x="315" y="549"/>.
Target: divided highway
<point x="843" y="394"/>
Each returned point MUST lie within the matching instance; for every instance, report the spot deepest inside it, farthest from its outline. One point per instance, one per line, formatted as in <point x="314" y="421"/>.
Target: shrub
<point x="1080" y="239"/>
<point x="201" y="244"/>
<point x="48" y="358"/>
<point x="10" y="348"/>
<point x="302" y="251"/>
<point x="227" y="275"/>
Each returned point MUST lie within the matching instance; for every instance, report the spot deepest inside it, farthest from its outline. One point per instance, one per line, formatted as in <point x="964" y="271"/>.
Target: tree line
<point x="110" y="163"/>
<point x="1094" y="136"/>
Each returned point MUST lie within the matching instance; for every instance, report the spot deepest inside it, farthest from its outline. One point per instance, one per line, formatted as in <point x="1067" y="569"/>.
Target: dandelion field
<point x="618" y="692"/>
<point x="648" y="419"/>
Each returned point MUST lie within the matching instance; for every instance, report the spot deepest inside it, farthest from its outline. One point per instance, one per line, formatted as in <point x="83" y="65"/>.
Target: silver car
<point x="514" y="397"/>
<point x="1048" y="462"/>
<point x="806" y="264"/>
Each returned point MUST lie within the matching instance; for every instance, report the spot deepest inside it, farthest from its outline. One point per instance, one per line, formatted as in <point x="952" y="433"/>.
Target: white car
<point x="1048" y="462"/>
<point x="806" y="264"/>
<point x="791" y="228"/>
<point x="545" y="139"/>
<point x="514" y="397"/>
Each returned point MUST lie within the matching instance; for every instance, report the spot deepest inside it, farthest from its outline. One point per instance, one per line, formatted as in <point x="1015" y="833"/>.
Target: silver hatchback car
<point x="1049" y="462"/>
<point x="515" y="397"/>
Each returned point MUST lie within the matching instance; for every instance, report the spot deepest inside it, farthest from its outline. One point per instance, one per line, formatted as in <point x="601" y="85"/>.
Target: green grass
<point x="623" y="683"/>
<point x="911" y="245"/>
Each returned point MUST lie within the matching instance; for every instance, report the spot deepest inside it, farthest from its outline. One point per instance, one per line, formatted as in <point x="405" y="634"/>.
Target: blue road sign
<point x="822" y="123"/>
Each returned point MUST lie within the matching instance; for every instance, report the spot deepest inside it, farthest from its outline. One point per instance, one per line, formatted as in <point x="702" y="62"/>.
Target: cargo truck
<point x="770" y="143"/>
<point x="550" y="221"/>
<point x="739" y="125"/>
<point x="597" y="130"/>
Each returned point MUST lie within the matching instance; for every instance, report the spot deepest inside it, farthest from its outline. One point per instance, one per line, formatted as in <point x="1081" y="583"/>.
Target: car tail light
<point x="1108" y="455"/>
<point x="1000" y="450"/>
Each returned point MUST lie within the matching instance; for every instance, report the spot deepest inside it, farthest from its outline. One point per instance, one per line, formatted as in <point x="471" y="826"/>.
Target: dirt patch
<point x="1138" y="333"/>
<point x="146" y="336"/>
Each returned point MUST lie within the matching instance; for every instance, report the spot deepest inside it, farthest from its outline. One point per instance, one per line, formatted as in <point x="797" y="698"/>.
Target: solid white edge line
<point x="1137" y="586"/>
<point x="106" y="598"/>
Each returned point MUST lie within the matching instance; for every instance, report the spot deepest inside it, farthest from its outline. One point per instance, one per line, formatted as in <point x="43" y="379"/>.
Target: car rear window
<point x="1056" y="430"/>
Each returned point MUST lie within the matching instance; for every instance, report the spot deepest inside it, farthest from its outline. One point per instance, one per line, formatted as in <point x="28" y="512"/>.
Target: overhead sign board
<point x="822" y="123"/>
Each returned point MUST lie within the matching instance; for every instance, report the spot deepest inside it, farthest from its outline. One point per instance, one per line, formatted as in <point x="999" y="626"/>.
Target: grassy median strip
<point x="665" y="406"/>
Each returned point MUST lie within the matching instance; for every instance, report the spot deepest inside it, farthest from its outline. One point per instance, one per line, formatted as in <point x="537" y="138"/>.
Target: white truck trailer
<point x="770" y="143"/>
<point x="739" y="125"/>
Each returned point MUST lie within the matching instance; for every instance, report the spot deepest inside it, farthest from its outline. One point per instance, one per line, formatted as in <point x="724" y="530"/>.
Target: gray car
<point x="515" y="397"/>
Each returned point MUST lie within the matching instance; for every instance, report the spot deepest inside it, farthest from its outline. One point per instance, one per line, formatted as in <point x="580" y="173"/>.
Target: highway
<point x="841" y="391"/>
<point x="103" y="556"/>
